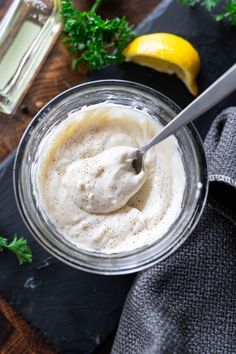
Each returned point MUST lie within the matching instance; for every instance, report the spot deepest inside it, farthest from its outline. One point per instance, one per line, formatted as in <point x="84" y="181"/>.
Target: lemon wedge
<point x="166" y="53"/>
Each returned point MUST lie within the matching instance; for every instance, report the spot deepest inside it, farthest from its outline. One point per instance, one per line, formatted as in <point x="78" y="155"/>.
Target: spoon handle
<point x="212" y="95"/>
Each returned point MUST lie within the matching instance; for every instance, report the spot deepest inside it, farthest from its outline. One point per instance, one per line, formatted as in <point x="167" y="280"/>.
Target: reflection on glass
<point x="27" y="32"/>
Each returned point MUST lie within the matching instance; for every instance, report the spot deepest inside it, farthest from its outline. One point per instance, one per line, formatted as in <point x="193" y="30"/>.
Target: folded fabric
<point x="187" y="303"/>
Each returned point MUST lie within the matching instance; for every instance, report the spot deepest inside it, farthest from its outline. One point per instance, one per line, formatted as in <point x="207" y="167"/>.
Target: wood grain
<point x="54" y="77"/>
<point x="56" y="74"/>
<point x="16" y="336"/>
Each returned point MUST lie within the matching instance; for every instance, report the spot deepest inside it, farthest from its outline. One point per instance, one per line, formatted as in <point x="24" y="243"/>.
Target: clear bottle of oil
<point x="28" y="30"/>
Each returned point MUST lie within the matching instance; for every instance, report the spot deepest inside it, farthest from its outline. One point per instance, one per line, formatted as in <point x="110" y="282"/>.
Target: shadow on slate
<point x="77" y="311"/>
<point x="214" y="41"/>
<point x="73" y="309"/>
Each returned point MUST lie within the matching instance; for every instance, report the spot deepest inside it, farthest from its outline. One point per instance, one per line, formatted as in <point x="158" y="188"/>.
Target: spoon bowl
<point x="130" y="94"/>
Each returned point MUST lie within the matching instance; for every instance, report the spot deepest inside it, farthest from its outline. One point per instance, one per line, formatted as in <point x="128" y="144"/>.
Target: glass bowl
<point x="129" y="94"/>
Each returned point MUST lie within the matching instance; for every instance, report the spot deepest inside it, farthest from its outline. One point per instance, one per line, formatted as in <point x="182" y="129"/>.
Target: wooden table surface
<point x="54" y="77"/>
<point x="56" y="74"/>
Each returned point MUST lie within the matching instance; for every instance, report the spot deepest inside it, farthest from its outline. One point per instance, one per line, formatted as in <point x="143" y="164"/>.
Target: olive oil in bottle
<point x="28" y="30"/>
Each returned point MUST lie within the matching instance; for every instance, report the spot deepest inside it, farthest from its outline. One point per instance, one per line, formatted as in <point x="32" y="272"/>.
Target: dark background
<point x="76" y="311"/>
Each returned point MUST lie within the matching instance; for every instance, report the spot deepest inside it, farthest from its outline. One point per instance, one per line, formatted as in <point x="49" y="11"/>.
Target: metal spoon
<point x="212" y="95"/>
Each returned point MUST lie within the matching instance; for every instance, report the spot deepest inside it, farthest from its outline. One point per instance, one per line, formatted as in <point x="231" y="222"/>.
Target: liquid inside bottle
<point x="27" y="32"/>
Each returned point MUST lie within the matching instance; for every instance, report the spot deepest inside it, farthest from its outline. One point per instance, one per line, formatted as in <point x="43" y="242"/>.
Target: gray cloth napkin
<point x="187" y="303"/>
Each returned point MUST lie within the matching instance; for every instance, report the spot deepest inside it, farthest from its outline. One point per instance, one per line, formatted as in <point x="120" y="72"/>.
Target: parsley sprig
<point x="227" y="11"/>
<point x="19" y="246"/>
<point x="93" y="40"/>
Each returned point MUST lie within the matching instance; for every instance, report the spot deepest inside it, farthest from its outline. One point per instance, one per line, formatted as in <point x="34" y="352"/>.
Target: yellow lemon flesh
<point x="166" y="53"/>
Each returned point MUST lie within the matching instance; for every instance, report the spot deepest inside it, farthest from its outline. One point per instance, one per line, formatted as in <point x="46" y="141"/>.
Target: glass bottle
<point x="28" y="31"/>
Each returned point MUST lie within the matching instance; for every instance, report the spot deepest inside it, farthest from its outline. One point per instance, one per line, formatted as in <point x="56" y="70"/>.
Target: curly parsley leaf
<point x="19" y="246"/>
<point x="227" y="13"/>
<point x="93" y="40"/>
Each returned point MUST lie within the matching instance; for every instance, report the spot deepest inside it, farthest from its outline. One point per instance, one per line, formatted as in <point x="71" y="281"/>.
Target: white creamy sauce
<point x="87" y="187"/>
<point x="105" y="182"/>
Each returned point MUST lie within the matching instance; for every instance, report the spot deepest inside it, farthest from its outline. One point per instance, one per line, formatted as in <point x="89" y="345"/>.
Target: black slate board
<point x="215" y="42"/>
<point x="77" y="311"/>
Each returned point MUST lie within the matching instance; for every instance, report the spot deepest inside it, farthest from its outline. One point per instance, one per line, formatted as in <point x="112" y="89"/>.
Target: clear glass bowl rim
<point x="82" y="262"/>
